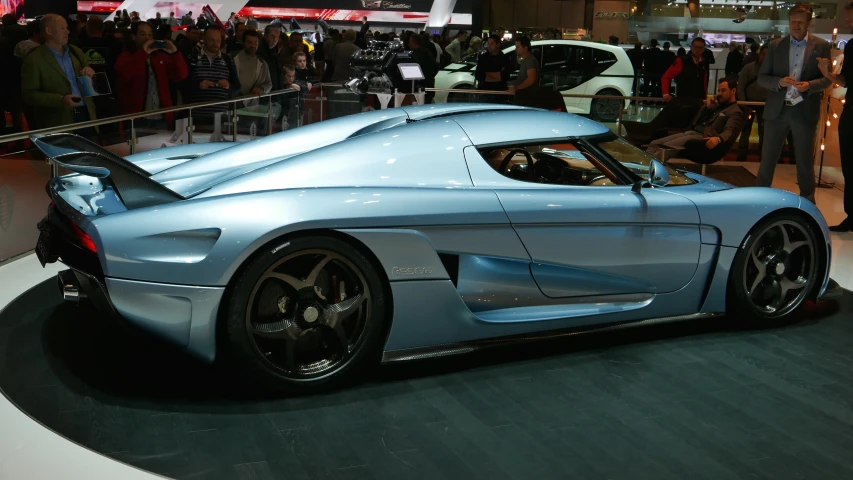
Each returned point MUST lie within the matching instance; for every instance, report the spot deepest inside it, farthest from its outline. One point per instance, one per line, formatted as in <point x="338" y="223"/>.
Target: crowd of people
<point x="790" y="76"/>
<point x="160" y="62"/>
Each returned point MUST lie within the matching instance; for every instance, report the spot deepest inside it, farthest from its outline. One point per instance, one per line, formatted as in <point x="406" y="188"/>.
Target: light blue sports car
<point x="414" y="232"/>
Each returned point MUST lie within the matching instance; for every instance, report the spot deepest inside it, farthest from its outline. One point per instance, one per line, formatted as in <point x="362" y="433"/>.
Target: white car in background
<point x="575" y="67"/>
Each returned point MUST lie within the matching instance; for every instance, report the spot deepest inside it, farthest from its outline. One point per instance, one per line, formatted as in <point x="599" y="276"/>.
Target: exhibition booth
<point x="379" y="279"/>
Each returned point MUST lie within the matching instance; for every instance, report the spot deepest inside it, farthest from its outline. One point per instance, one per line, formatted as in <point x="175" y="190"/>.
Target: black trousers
<point x="845" y="145"/>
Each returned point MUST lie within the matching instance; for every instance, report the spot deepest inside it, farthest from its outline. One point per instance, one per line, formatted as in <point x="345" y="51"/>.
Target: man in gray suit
<point x="795" y="87"/>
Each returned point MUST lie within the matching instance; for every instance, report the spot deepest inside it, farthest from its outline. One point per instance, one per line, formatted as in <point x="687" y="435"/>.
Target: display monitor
<point x="411" y="71"/>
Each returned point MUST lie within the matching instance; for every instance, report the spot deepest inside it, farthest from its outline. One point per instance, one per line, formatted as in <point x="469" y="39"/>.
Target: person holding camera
<point x="145" y="72"/>
<point x="49" y="79"/>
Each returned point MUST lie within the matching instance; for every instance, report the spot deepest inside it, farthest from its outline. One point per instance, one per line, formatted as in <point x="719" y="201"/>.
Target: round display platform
<point x="690" y="400"/>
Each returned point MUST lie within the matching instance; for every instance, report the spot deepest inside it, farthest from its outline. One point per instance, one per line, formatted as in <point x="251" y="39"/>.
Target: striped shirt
<point x="213" y="70"/>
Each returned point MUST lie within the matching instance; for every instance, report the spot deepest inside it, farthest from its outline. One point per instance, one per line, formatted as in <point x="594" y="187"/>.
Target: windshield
<point x="635" y="159"/>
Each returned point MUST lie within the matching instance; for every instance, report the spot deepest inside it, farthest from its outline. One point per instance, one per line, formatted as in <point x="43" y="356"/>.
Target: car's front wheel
<point x="307" y="315"/>
<point x="774" y="271"/>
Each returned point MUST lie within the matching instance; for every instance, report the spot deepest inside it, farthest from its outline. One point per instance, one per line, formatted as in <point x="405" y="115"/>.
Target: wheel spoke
<point x="283" y="330"/>
<point x="280" y="330"/>
<point x="288" y="279"/>
<point x="787" y="245"/>
<point x="793" y="246"/>
<point x="760" y="275"/>
<point x="758" y="279"/>
<point x="778" y="296"/>
<point x="336" y="312"/>
<point x="788" y="285"/>
<point x="315" y="272"/>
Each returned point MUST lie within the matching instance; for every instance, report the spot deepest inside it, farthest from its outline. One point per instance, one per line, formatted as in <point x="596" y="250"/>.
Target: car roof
<point x="582" y="43"/>
<point x="496" y="127"/>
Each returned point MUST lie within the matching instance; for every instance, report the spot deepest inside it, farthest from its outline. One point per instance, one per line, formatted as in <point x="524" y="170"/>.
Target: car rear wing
<point x="132" y="184"/>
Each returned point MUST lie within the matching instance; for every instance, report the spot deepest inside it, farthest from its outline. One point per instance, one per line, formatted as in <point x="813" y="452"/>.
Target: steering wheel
<point x="531" y="175"/>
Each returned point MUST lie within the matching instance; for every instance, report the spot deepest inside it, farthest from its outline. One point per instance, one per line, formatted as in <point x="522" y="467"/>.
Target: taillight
<point x="84" y="239"/>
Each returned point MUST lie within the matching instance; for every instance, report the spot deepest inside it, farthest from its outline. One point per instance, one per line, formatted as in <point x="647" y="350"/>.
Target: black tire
<point x="774" y="272"/>
<point x="604" y="109"/>
<point x="260" y="306"/>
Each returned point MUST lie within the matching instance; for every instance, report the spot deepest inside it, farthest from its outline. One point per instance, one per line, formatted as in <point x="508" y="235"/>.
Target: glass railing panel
<point x="23" y="202"/>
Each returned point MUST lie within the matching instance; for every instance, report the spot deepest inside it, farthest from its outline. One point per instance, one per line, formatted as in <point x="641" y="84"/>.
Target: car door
<point x="596" y="238"/>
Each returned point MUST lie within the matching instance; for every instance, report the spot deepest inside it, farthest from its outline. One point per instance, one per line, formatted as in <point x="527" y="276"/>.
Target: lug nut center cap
<point x="780" y="268"/>
<point x="310" y="315"/>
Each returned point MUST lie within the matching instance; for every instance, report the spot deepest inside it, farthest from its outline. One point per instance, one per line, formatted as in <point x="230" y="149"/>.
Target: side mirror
<point x="658" y="175"/>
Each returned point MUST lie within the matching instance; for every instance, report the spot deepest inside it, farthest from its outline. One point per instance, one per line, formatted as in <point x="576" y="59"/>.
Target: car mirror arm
<point x="639" y="185"/>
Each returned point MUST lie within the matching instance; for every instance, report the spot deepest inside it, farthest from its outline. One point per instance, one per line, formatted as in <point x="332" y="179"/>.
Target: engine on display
<point x="376" y="68"/>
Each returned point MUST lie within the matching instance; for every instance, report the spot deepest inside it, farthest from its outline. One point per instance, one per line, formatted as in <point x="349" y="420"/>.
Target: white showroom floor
<point x="31" y="451"/>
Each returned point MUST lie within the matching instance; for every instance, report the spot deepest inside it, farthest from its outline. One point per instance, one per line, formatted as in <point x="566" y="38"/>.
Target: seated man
<point x="716" y="123"/>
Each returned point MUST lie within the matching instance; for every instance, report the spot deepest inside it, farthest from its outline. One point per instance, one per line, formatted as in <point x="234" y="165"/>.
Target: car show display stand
<point x="140" y="401"/>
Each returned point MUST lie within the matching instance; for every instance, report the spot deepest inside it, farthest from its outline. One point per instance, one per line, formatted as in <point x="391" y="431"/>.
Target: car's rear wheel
<point x="606" y="109"/>
<point x="308" y="315"/>
<point x="774" y="271"/>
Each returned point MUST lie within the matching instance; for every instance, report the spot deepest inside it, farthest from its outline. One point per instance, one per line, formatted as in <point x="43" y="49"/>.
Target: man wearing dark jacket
<point x="427" y="62"/>
<point x="267" y="52"/>
<point x="690" y="73"/>
<point x="493" y="68"/>
<point x="719" y="121"/>
<point x="734" y="60"/>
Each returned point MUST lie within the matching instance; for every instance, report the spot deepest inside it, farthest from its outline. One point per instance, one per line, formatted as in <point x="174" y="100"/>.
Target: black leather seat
<point x="675" y="116"/>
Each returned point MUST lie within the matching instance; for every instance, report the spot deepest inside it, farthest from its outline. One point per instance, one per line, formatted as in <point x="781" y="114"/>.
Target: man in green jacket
<point x="49" y="79"/>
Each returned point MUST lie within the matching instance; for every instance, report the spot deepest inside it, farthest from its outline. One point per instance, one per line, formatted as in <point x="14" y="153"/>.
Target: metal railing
<point x="132" y="117"/>
<point x="189" y="107"/>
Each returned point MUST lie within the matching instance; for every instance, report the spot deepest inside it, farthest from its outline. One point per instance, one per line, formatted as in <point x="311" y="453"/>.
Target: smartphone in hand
<point x="161" y="44"/>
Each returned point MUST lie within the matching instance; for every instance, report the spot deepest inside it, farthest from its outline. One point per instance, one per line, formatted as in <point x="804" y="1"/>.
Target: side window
<point x="553" y="58"/>
<point x="576" y="69"/>
<point x="601" y="61"/>
<point x="555" y="164"/>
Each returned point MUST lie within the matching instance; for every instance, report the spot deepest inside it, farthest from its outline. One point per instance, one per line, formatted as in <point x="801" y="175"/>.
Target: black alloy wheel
<point x="306" y="316"/>
<point x="775" y="270"/>
<point x="606" y="110"/>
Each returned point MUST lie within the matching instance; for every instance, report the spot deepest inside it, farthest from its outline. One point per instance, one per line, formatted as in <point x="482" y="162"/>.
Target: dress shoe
<point x="845" y="226"/>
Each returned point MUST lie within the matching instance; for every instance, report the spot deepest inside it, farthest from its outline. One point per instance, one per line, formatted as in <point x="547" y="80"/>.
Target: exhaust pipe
<point x="69" y="286"/>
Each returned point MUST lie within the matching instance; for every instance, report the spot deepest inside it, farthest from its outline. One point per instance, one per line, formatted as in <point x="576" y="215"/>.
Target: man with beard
<point x="716" y="123"/>
<point x="253" y="71"/>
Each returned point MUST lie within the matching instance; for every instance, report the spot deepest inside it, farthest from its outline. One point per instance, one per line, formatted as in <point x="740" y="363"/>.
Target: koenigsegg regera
<point x="414" y="232"/>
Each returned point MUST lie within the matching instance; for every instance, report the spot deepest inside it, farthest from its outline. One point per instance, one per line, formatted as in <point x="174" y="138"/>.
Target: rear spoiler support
<point x="132" y="184"/>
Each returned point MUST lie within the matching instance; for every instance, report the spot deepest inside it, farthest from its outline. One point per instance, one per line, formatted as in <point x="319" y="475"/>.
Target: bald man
<point x="49" y="78"/>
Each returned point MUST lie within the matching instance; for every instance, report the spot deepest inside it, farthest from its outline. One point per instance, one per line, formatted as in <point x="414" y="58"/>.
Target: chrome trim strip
<point x="435" y="351"/>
